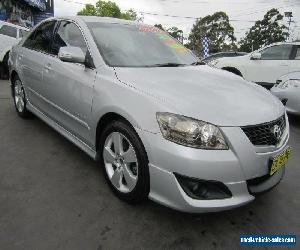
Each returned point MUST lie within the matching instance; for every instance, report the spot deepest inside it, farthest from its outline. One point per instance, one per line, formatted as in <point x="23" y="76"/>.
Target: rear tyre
<point x="19" y="97"/>
<point x="125" y="162"/>
<point x="4" y="73"/>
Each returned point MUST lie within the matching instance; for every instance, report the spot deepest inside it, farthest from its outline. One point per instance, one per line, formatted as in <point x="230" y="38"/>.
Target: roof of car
<point x="281" y="43"/>
<point x="13" y="25"/>
<point x="89" y="19"/>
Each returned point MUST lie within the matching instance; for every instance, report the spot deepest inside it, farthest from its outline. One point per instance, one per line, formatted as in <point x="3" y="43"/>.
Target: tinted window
<point x="22" y="33"/>
<point x="8" y="31"/>
<point x="68" y="34"/>
<point x="279" y="52"/>
<point x="297" y="57"/>
<point x="41" y="39"/>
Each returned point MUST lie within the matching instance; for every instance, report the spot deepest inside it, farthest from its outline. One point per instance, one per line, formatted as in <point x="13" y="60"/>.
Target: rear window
<point x="8" y="31"/>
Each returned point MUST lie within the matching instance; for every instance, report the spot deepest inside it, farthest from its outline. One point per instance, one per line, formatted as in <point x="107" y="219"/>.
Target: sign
<point x="49" y="12"/>
<point x="40" y="4"/>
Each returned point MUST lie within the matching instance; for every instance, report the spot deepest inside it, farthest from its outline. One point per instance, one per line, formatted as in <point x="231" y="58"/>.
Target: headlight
<point x="190" y="132"/>
<point x="289" y="83"/>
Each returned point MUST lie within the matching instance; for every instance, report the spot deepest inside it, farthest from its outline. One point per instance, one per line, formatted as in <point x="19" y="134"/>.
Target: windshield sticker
<point x="172" y="43"/>
<point x="146" y="28"/>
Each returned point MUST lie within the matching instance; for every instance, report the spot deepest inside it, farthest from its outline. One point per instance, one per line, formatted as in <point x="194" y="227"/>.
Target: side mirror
<point x="71" y="54"/>
<point x="256" y="56"/>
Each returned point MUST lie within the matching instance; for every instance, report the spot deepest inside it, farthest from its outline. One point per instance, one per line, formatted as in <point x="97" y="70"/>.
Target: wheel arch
<point x="108" y="118"/>
<point x="233" y="70"/>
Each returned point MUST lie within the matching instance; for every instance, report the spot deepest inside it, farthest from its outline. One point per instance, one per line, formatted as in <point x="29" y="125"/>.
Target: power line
<point x="81" y="3"/>
<point x="188" y="17"/>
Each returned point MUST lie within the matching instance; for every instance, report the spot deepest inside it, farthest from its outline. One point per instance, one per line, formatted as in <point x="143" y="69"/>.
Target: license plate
<point x="280" y="160"/>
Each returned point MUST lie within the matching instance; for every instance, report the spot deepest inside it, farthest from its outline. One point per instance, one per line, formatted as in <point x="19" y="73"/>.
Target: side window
<point x="8" y="31"/>
<point x="68" y="34"/>
<point x="277" y="52"/>
<point x="22" y="33"/>
<point x="41" y="39"/>
<point x="297" y="56"/>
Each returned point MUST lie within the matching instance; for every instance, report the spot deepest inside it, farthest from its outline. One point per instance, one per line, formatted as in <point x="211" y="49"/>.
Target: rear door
<point x="275" y="62"/>
<point x="31" y="58"/>
<point x="295" y="62"/>
<point x="69" y="85"/>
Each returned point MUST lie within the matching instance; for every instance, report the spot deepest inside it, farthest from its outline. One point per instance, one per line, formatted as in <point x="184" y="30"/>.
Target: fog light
<point x="202" y="189"/>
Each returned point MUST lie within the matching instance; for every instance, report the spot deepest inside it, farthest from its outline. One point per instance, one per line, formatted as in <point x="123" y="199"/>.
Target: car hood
<point x="292" y="75"/>
<point x="205" y="93"/>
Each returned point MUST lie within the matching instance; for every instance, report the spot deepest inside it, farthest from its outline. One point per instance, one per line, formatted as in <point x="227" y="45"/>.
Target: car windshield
<point x="123" y="45"/>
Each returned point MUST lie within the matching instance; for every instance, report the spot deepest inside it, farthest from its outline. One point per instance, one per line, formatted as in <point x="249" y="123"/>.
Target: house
<point x="26" y="13"/>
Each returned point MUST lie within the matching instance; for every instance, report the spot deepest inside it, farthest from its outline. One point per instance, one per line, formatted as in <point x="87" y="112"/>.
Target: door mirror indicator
<point x="256" y="56"/>
<point x="71" y="54"/>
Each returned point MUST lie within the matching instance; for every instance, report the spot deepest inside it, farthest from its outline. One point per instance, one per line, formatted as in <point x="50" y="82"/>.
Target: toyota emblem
<point x="277" y="132"/>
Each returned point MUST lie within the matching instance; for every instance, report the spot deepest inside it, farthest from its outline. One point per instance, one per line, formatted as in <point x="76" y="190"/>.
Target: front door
<point x="69" y="85"/>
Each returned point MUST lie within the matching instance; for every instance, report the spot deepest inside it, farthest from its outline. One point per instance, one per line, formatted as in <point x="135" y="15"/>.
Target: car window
<point x="297" y="56"/>
<point x="8" y="31"/>
<point x="123" y="45"/>
<point x="41" y="38"/>
<point x="22" y="33"/>
<point x="68" y="34"/>
<point x="278" y="52"/>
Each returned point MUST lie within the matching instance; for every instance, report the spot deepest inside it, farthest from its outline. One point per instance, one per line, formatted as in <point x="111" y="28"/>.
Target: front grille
<point x="266" y="134"/>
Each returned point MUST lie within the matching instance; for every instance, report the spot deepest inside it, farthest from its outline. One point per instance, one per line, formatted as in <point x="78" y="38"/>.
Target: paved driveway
<point x="53" y="196"/>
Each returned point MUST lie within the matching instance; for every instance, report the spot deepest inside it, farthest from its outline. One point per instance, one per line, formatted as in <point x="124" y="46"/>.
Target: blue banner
<point x="267" y="240"/>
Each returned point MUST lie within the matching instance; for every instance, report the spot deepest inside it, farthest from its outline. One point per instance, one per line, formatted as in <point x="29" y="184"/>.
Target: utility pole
<point x="289" y="15"/>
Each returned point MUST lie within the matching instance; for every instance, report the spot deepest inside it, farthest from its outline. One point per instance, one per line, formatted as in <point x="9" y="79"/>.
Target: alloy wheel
<point x="19" y="96"/>
<point x="121" y="162"/>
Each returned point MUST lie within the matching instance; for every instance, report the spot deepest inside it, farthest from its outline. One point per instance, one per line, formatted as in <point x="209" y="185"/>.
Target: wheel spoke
<point x="117" y="139"/>
<point x="108" y="155"/>
<point x="129" y="155"/>
<point x="19" y="103"/>
<point x="130" y="179"/>
<point x="117" y="178"/>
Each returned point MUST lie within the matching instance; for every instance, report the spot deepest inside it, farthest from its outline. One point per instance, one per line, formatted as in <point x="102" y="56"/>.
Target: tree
<point x="159" y="26"/>
<point x="109" y="9"/>
<point x="265" y="32"/>
<point x="176" y="33"/>
<point x="217" y="29"/>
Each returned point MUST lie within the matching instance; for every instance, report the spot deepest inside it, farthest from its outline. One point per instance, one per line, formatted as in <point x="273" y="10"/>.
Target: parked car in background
<point x="266" y="65"/>
<point x="161" y="124"/>
<point x="215" y="56"/>
<point x="10" y="35"/>
<point x="287" y="89"/>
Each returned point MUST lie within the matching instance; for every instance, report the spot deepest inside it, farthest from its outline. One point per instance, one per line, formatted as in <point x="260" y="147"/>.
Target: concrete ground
<point x="53" y="196"/>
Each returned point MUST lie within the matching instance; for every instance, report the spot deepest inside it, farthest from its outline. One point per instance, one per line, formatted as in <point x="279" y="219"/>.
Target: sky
<point x="242" y="13"/>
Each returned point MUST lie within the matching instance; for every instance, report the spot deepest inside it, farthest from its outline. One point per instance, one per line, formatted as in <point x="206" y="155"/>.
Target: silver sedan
<point x="287" y="89"/>
<point x="161" y="124"/>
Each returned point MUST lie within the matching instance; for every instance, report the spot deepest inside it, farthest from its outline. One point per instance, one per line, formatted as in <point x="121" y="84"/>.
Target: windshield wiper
<point x="167" y="65"/>
<point x="198" y="63"/>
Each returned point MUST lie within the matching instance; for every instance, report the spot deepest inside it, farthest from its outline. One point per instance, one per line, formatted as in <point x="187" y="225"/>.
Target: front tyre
<point x="20" y="98"/>
<point x="125" y="162"/>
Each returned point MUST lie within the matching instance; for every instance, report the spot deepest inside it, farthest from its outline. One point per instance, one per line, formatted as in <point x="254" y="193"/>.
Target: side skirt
<point x="83" y="146"/>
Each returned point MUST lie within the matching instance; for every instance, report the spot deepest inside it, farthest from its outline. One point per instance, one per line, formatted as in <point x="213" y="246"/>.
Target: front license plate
<point x="280" y="160"/>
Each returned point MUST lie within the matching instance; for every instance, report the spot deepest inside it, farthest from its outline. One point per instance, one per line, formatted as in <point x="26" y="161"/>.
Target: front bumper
<point x="232" y="167"/>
